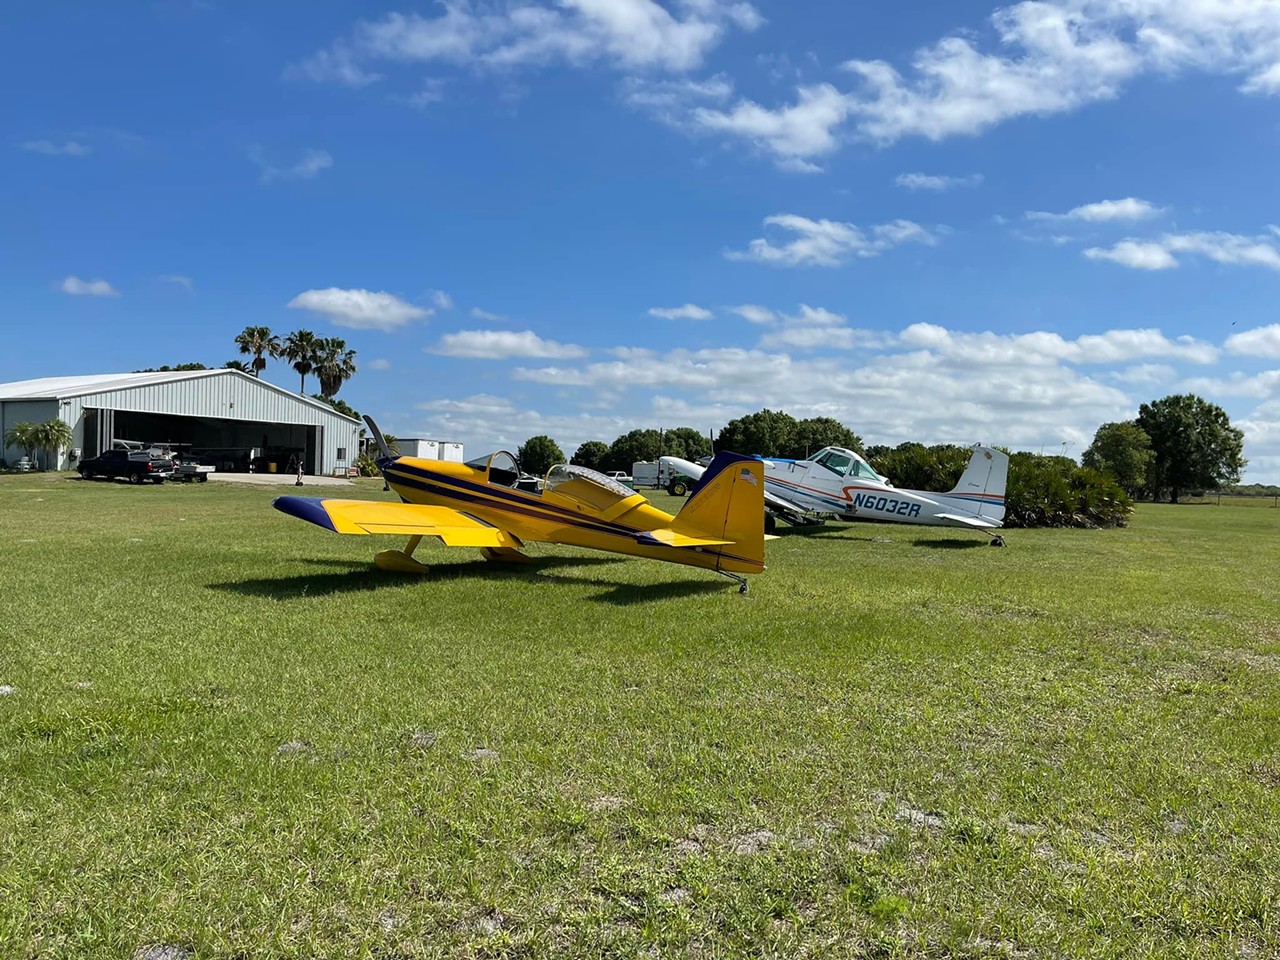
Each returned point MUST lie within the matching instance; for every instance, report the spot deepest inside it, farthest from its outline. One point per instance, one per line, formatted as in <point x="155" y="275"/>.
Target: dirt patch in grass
<point x="1267" y="774"/>
<point x="605" y="802"/>
<point x="746" y="844"/>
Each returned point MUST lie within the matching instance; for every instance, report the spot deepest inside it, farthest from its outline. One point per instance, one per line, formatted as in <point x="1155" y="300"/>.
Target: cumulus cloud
<point x="925" y="382"/>
<point x="88" y="288"/>
<point x="479" y="314"/>
<point x="629" y="34"/>
<point x="503" y="345"/>
<point x="829" y="243"/>
<point x="441" y="300"/>
<point x="359" y="309"/>
<point x="753" y="313"/>
<point x="1049" y="57"/>
<point x="309" y="165"/>
<point x="925" y="181"/>
<point x="1104" y="211"/>
<point x="794" y="134"/>
<point x="67" y="148"/>
<point x="1258" y="342"/>
<point x="1113" y="346"/>
<point x="1163" y="253"/>
<point x="690" y="311"/>
<point x="380" y="364"/>
<point x="178" y="280"/>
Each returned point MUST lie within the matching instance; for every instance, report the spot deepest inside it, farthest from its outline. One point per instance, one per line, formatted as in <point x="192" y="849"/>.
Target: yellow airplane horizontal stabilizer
<point x="362" y="517"/>
<point x="670" y="538"/>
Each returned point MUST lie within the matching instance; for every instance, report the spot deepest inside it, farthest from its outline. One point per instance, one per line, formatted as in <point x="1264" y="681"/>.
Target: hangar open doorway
<point x="232" y="446"/>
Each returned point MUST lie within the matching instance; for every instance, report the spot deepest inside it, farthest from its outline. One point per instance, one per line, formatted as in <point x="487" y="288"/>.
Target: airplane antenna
<point x="381" y="440"/>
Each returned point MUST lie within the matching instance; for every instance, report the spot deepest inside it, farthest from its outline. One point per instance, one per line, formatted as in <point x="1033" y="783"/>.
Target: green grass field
<point x="221" y="731"/>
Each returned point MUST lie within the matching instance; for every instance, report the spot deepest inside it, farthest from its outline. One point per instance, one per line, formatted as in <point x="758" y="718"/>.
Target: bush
<point x="1055" y="492"/>
<point x="367" y="466"/>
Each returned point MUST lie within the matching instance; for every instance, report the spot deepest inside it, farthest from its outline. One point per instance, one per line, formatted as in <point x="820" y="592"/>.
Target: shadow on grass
<point x="950" y="544"/>
<point x="823" y="530"/>
<point x="359" y="577"/>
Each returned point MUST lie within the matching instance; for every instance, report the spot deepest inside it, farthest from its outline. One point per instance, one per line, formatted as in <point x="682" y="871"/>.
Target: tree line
<point x="1177" y="444"/>
<point x="329" y="359"/>
<point x="769" y="432"/>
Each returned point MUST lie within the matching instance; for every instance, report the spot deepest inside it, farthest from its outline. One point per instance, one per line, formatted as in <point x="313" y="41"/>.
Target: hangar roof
<point x="57" y="388"/>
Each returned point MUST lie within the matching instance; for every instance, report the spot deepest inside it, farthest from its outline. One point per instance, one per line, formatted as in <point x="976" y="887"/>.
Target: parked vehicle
<point x="189" y="470"/>
<point x="659" y="475"/>
<point x="134" y="466"/>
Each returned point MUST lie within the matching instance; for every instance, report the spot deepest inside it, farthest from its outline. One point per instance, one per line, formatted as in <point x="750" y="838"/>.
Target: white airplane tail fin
<point x="982" y="485"/>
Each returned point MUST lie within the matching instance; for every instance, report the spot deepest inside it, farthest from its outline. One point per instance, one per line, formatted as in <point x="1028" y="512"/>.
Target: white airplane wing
<point x="967" y="521"/>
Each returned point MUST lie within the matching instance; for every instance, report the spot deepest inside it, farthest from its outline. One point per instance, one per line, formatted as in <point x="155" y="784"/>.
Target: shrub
<point x="1055" y="492"/>
<point x="367" y="466"/>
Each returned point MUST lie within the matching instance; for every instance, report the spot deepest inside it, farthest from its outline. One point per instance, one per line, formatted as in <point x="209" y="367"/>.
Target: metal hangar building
<point x="225" y="415"/>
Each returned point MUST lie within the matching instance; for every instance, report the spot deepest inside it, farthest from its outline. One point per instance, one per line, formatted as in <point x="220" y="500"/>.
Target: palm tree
<point x="24" y="435"/>
<point x="334" y="364"/>
<point x="237" y="365"/>
<point x="259" y="341"/>
<point x="51" y="436"/>
<point x="299" y="348"/>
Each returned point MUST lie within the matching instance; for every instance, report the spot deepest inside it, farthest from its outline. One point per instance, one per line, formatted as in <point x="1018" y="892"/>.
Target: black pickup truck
<point x="135" y="466"/>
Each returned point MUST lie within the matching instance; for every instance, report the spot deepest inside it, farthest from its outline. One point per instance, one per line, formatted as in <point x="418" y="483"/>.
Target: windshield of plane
<point x="504" y="469"/>
<point x="562" y="473"/>
<point x="846" y="463"/>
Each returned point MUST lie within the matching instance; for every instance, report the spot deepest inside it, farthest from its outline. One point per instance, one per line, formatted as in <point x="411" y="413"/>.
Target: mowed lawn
<point x="222" y="732"/>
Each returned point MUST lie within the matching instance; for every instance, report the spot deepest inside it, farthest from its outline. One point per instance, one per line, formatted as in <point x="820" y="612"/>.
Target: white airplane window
<point x="837" y="463"/>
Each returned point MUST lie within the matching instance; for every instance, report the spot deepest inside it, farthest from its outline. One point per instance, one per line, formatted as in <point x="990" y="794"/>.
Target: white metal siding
<point x="13" y="412"/>
<point x="228" y="396"/>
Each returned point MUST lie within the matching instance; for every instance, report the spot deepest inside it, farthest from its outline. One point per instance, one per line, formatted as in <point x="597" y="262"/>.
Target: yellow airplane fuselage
<point x="575" y="513"/>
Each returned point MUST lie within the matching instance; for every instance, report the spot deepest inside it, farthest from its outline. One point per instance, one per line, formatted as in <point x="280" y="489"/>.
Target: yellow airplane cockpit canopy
<point x="502" y="467"/>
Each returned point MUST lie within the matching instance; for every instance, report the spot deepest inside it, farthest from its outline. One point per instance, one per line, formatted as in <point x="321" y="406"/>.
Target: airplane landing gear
<point x="997" y="541"/>
<point x="740" y="581"/>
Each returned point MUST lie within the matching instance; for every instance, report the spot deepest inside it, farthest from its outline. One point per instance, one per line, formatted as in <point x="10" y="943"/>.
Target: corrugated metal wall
<point x="229" y="396"/>
<point x="13" y="412"/>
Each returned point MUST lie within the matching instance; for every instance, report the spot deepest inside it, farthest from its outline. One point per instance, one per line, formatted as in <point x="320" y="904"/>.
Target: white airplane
<point x="837" y="482"/>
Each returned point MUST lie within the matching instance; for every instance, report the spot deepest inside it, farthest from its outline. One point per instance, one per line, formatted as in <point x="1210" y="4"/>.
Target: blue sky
<point x="966" y="222"/>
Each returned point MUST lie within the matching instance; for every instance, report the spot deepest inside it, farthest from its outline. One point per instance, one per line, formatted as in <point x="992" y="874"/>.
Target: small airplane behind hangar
<point x="477" y="504"/>
<point x="838" y="483"/>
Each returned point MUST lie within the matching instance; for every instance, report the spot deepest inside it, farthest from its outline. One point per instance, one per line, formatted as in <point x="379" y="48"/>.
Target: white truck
<point x="659" y="476"/>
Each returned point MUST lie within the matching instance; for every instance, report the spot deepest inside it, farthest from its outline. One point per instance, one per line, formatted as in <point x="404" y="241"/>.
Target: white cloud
<point x="380" y="364"/>
<point x="754" y="313"/>
<point x="792" y="135"/>
<point x="925" y="181"/>
<point x="479" y="314"/>
<point x="1225" y="248"/>
<point x="441" y="300"/>
<point x="1258" y="342"/>
<point x="1104" y="211"/>
<point x="88" y="288"/>
<point x="68" y="148"/>
<point x="1029" y="349"/>
<point x="1050" y="56"/>
<point x="503" y="345"/>
<point x="1135" y="254"/>
<point x="925" y="382"/>
<point x="671" y="100"/>
<point x="308" y="166"/>
<point x="359" y="309"/>
<point x="829" y="243"/>
<point x="178" y="280"/>
<point x="629" y="34"/>
<point x="690" y="311"/>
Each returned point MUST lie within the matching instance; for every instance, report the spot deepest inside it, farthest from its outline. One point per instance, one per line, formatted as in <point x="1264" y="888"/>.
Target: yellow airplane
<point x="720" y="527"/>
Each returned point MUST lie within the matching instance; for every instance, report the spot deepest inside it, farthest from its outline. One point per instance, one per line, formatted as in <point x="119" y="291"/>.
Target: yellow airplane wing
<point x="364" y="517"/>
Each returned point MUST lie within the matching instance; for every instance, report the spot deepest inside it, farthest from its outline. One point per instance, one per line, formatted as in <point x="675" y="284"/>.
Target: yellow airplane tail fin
<point x="727" y="505"/>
